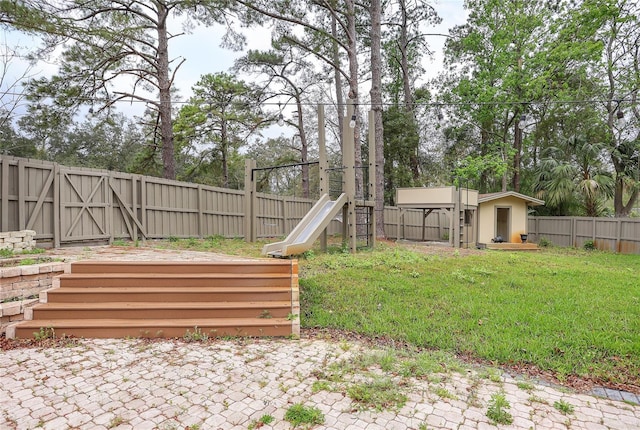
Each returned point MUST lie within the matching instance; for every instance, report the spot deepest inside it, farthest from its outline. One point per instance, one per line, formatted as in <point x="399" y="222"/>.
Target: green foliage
<point x="223" y="113"/>
<point x="6" y="253"/>
<point x="401" y="140"/>
<point x="197" y="335"/>
<point x="498" y="408"/>
<point x="473" y="168"/>
<point x="379" y="394"/>
<point x="525" y="385"/>
<point x="589" y="245"/>
<point x="298" y="414"/>
<point x="33" y="251"/>
<point x="27" y="262"/>
<point x="44" y="333"/>
<point x="564" y="407"/>
<point x="262" y="421"/>
<point x="573" y="180"/>
<point x="543" y="242"/>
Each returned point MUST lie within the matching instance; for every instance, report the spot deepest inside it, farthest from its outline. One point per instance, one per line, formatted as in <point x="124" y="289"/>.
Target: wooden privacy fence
<point x="608" y="234"/>
<point x="66" y="205"/>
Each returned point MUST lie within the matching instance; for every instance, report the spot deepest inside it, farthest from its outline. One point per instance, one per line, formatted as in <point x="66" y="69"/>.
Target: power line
<point x="434" y="104"/>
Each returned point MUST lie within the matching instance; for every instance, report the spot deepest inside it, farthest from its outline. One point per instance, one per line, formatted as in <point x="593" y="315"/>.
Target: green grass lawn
<point x="566" y="311"/>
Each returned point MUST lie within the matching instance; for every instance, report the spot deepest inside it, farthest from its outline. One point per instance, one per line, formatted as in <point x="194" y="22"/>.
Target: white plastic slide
<point x="308" y="229"/>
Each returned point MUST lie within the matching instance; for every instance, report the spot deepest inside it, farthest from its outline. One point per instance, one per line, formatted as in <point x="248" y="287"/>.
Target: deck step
<point x="165" y="294"/>
<point x="155" y="328"/>
<point x="173" y="280"/>
<point x="161" y="310"/>
<point x="184" y="267"/>
<point x="169" y="299"/>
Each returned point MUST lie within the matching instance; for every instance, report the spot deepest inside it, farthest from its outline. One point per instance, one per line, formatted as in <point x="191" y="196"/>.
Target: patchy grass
<point x="567" y="311"/>
<point x="378" y="394"/>
<point x="220" y="244"/>
<point x="300" y="414"/>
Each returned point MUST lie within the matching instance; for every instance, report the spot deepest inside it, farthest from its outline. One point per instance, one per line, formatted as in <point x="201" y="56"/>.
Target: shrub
<point x="589" y="245"/>
<point x="544" y="242"/>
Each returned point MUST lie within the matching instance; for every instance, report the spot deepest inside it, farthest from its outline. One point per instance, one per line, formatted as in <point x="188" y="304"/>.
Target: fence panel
<point x="222" y="212"/>
<point x="436" y="224"/>
<point x="270" y="215"/>
<point x="555" y="229"/>
<point x="629" y="236"/>
<point x="27" y="196"/>
<point x="171" y="208"/>
<point x="608" y="234"/>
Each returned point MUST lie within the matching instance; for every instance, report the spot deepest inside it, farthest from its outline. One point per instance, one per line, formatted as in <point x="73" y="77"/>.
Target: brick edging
<point x="19" y="282"/>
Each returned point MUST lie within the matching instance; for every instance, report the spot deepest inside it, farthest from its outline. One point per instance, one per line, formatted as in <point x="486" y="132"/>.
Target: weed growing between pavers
<point x="444" y="393"/>
<point x="360" y="376"/>
<point x="498" y="408"/>
<point x="300" y="414"/>
<point x="378" y="394"/>
<point x="262" y="421"/>
<point x="525" y="385"/>
<point x="564" y="407"/>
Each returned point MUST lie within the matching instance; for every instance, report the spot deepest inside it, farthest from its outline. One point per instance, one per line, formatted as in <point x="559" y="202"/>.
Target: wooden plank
<point x="143" y="202"/>
<point x="200" y="204"/>
<point x="46" y="186"/>
<point x="134" y="205"/>
<point x="22" y="184"/>
<point x="4" y="193"/>
<point x="57" y="219"/>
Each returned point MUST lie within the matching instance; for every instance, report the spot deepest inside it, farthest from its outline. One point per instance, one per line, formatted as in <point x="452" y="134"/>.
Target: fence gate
<point x="85" y="202"/>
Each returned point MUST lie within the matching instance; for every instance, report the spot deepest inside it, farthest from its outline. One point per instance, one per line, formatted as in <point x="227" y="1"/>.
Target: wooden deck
<point x="513" y="246"/>
<point x="115" y="299"/>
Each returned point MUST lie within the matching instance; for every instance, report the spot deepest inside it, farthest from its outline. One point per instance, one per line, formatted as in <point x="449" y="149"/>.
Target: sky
<point x="203" y="55"/>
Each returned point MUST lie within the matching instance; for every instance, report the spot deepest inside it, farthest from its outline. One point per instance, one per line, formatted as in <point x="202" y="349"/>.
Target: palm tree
<point x="574" y="179"/>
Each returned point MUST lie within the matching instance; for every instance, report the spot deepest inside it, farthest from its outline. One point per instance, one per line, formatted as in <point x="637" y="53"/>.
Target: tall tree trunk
<point x="164" y="85"/>
<point x="352" y="54"/>
<point x="224" y="145"/>
<point x="406" y="83"/>
<point x="517" y="146"/>
<point x="376" y="105"/>
<point x="337" y="76"/>
<point x="304" y="149"/>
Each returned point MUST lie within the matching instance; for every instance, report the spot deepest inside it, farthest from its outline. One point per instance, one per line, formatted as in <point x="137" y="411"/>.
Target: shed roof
<point x="531" y="201"/>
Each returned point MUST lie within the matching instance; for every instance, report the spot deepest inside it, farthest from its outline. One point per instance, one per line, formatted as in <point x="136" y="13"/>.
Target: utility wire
<point x="434" y="104"/>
